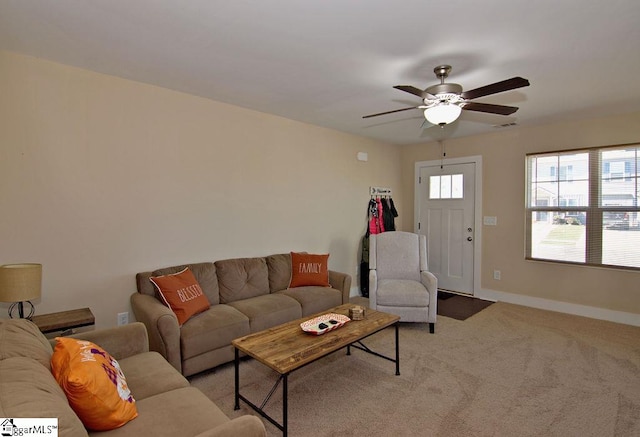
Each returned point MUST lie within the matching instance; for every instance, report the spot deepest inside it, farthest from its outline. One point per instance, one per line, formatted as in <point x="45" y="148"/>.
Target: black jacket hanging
<point x="388" y="215"/>
<point x="364" y="266"/>
<point x="393" y="207"/>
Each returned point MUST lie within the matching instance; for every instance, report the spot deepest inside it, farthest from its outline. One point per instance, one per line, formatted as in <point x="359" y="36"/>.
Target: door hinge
<point x="418" y="225"/>
<point x="419" y="179"/>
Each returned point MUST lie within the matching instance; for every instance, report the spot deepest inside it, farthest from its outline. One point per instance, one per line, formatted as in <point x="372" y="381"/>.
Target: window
<point x="446" y="187"/>
<point x="582" y="206"/>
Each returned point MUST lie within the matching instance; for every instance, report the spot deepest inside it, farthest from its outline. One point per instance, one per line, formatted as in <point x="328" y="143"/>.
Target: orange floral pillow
<point x="182" y="293"/>
<point x="94" y="384"/>
<point x="308" y="269"/>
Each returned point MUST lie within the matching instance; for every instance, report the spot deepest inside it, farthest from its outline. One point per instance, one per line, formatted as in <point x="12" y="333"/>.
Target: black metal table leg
<point x="397" y="350"/>
<point x="236" y="363"/>
<point x="285" y="405"/>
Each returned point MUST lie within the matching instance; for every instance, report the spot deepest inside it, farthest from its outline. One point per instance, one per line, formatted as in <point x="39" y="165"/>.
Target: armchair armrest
<point x="246" y="426"/>
<point x="373" y="288"/>
<point x="429" y="280"/>
<point x="162" y="327"/>
<point x="342" y="282"/>
<point x="121" y="342"/>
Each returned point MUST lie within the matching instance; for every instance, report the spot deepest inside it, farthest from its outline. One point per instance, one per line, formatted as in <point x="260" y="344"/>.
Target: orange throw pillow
<point x="94" y="384"/>
<point x="308" y="269"/>
<point x="182" y="293"/>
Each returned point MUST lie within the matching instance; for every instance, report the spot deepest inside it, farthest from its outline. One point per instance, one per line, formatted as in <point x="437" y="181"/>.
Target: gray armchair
<point x="399" y="282"/>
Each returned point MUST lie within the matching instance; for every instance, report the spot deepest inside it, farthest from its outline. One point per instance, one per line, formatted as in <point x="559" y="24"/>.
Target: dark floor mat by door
<point x="459" y="307"/>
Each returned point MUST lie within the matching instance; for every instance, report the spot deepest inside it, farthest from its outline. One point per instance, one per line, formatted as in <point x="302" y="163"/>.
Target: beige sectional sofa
<point x="246" y="295"/>
<point x="167" y="405"/>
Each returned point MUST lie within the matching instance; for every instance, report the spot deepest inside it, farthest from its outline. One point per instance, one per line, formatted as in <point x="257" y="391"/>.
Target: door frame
<point x="477" y="214"/>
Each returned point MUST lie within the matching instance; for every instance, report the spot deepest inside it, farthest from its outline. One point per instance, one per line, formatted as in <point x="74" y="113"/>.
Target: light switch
<point x="490" y="220"/>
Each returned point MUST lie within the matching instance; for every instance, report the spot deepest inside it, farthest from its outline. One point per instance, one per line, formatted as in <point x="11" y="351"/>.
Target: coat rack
<point x="379" y="191"/>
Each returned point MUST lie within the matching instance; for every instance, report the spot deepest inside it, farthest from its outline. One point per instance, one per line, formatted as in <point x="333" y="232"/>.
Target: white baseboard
<point x="562" y="307"/>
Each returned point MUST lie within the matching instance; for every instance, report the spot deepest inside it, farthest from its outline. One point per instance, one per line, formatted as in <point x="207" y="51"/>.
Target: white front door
<point x="446" y="215"/>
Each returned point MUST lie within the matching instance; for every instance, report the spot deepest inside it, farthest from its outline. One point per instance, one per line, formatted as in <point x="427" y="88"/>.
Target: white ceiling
<point x="329" y="62"/>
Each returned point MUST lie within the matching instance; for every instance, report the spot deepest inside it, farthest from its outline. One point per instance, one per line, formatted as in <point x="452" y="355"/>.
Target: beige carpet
<point x="506" y="371"/>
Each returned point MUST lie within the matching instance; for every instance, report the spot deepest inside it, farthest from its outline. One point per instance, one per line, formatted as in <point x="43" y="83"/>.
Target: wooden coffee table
<point x="287" y="347"/>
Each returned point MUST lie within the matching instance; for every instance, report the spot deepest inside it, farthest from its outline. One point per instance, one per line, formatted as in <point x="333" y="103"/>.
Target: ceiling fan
<point x="444" y="102"/>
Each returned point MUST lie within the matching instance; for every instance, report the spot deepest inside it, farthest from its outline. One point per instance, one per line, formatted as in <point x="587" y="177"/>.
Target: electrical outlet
<point x="496" y="275"/>
<point x="123" y="318"/>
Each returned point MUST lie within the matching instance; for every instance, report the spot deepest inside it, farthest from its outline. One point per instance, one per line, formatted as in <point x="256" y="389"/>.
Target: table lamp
<point x="20" y="283"/>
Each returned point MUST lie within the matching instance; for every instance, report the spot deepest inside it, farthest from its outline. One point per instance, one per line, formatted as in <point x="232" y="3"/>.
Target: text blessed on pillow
<point x="182" y="293"/>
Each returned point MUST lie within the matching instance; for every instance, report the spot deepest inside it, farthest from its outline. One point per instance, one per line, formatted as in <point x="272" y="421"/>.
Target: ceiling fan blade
<point x="411" y="90"/>
<point x="390" y="112"/>
<point x="487" y="107"/>
<point x="494" y="88"/>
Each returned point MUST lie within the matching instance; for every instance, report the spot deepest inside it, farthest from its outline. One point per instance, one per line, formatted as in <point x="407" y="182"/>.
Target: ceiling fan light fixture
<point x="442" y="113"/>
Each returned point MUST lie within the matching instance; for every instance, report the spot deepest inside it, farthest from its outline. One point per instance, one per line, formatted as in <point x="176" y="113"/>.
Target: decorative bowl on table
<point x="324" y="323"/>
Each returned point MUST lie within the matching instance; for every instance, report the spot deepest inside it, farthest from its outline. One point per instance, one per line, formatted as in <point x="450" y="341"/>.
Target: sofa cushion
<point x="182" y="293"/>
<point x="22" y="338"/>
<point x="211" y="330"/>
<point x="279" y="271"/>
<point x="27" y="389"/>
<point x="268" y="310"/>
<point x="205" y="274"/>
<point x="314" y="299"/>
<point x="182" y="412"/>
<point x="242" y="278"/>
<point x="94" y="384"/>
<point x="402" y="293"/>
<point x="309" y="269"/>
<point x="149" y="373"/>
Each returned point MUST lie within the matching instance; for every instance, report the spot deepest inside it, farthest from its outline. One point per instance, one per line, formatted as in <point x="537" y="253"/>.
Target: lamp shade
<point x="442" y="113"/>
<point x="20" y="282"/>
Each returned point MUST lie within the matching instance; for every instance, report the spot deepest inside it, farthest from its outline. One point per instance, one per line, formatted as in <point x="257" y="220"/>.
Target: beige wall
<point x="102" y="177"/>
<point x="503" y="158"/>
